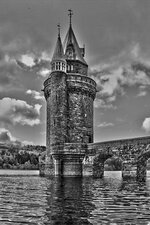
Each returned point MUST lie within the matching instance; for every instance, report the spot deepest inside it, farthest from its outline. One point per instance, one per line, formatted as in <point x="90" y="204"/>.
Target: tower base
<point x="65" y="162"/>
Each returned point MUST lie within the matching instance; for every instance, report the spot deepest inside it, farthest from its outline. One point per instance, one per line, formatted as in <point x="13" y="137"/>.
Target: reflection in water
<point x="42" y="201"/>
<point x="121" y="203"/>
<point x="69" y="201"/>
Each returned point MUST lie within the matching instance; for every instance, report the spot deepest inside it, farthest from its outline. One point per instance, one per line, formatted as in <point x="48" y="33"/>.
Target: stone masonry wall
<point x="81" y="94"/>
<point x="56" y="95"/>
<point x="134" y="154"/>
<point x="125" y="148"/>
<point x="69" y="121"/>
<point x="80" y="118"/>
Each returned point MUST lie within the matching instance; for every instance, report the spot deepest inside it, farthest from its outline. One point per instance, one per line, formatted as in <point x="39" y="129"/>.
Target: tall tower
<point x="69" y="93"/>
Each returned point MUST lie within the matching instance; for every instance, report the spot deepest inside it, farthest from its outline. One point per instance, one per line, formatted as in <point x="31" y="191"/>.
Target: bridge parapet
<point x="133" y="152"/>
<point x="126" y="149"/>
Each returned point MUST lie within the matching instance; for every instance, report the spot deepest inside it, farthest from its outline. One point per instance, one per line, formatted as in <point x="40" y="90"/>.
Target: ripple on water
<point x="42" y="201"/>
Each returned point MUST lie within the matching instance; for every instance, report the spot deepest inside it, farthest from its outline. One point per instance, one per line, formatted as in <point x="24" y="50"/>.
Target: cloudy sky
<point x="116" y="34"/>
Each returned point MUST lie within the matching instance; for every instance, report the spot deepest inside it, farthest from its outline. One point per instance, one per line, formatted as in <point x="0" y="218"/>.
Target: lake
<point x="35" y="200"/>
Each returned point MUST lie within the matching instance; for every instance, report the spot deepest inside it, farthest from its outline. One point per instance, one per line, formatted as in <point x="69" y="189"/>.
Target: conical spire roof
<point x="58" y="52"/>
<point x="70" y="39"/>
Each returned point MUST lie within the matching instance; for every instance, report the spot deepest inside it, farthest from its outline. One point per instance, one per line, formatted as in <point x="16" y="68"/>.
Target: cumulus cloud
<point x="40" y="65"/>
<point x="12" y="46"/>
<point x="100" y="103"/>
<point x="29" y="50"/>
<point x="28" y="60"/>
<point x="129" y="68"/>
<point x="19" y="112"/>
<point x="35" y="94"/>
<point x="5" y="136"/>
<point x="115" y="80"/>
<point x="112" y="83"/>
<point x="44" y="72"/>
<point x="142" y="91"/>
<point x="8" y="74"/>
<point x="146" y="124"/>
<point x="105" y="124"/>
<point x="141" y="94"/>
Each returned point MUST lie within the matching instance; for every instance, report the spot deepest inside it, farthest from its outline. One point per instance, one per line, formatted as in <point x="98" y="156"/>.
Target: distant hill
<point x="20" y="157"/>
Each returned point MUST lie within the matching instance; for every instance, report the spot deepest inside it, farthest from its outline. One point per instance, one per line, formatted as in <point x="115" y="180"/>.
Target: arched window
<point x="59" y="66"/>
<point x="56" y="66"/>
<point x="70" y="52"/>
<point x="63" y="66"/>
<point x="68" y="67"/>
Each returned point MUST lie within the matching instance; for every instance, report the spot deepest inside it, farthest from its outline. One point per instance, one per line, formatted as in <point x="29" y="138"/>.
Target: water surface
<point x="41" y="201"/>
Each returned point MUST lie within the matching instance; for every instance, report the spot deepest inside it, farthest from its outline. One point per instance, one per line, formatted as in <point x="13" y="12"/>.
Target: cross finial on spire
<point x="70" y="14"/>
<point x="58" y="25"/>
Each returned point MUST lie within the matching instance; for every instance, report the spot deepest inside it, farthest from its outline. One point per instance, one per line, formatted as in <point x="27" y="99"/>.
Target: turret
<point x="55" y="91"/>
<point x="58" y="62"/>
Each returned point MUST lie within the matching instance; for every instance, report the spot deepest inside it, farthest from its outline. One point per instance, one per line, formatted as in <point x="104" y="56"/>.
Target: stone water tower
<point x="69" y="94"/>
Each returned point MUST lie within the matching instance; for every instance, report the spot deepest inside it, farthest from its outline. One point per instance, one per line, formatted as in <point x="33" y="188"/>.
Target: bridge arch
<point x="113" y="163"/>
<point x="134" y="154"/>
<point x="142" y="159"/>
<point x="101" y="159"/>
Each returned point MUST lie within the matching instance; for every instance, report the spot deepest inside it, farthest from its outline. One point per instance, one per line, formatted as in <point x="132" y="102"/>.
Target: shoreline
<point x="17" y="172"/>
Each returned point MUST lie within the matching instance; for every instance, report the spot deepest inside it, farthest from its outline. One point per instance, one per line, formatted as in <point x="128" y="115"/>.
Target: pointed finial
<point x="58" y="25"/>
<point x="70" y="14"/>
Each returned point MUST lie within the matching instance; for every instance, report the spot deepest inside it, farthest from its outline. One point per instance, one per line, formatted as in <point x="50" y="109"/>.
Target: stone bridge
<point x="89" y="159"/>
<point x="133" y="153"/>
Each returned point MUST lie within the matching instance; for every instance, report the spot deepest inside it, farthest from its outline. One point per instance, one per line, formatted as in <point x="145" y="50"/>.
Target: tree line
<point x="26" y="158"/>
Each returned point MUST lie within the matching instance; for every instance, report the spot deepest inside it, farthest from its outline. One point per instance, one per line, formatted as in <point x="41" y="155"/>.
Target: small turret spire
<point x="70" y="15"/>
<point x="58" y="62"/>
<point x="59" y="51"/>
<point x="58" y="26"/>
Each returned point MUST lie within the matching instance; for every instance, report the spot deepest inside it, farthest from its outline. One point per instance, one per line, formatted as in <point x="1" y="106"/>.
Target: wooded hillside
<point x="17" y="157"/>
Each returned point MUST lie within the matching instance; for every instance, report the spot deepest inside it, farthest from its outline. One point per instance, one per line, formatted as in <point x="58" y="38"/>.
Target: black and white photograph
<point x="74" y="112"/>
